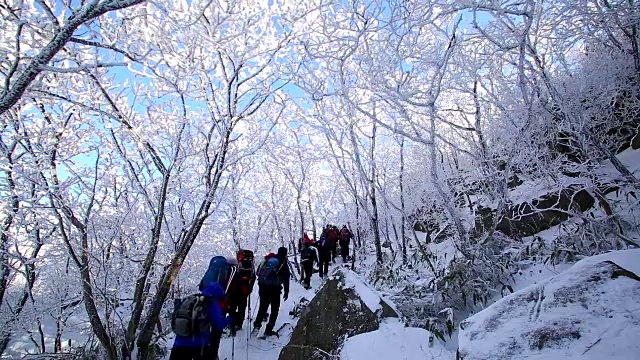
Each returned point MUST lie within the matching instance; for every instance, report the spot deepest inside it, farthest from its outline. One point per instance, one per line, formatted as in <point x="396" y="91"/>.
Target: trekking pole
<point x="233" y="347"/>
<point x="248" y="327"/>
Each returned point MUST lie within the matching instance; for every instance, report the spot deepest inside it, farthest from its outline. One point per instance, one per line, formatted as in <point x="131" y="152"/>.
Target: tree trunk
<point x="402" y="205"/>
<point x="185" y="243"/>
<point x="372" y="194"/>
<point x="234" y="213"/>
<point x="313" y="220"/>
<point x="444" y="195"/>
<point x="139" y="295"/>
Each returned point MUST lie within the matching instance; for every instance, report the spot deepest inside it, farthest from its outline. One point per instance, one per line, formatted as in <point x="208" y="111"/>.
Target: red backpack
<point x="344" y="234"/>
<point x="332" y="234"/>
<point x="246" y="270"/>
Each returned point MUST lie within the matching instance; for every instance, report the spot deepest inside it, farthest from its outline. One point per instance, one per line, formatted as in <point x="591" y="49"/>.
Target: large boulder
<point x="345" y="306"/>
<point x="539" y="214"/>
<point x="589" y="312"/>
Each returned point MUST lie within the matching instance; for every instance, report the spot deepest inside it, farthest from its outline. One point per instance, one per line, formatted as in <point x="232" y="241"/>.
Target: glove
<point x="285" y="297"/>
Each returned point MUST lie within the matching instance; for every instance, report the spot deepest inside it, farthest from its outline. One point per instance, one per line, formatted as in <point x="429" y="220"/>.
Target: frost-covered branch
<point x="11" y="93"/>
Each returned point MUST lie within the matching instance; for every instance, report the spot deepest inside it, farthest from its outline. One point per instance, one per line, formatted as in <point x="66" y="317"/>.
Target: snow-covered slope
<point x="590" y="311"/>
<point x="394" y="341"/>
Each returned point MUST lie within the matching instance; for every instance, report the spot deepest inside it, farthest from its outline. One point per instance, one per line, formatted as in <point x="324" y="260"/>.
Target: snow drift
<point x="588" y="312"/>
<point x="394" y="341"/>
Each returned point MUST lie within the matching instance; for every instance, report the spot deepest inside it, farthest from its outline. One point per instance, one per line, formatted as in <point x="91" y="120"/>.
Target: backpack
<point x="307" y="254"/>
<point x="344" y="234"/>
<point x="332" y="234"/>
<point x="190" y="316"/>
<point x="246" y="270"/>
<point x="219" y="271"/>
<point x="268" y="274"/>
<point x="246" y="264"/>
<point x="324" y="242"/>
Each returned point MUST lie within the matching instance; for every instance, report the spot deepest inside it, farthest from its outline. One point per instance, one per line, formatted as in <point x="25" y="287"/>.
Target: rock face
<point x="537" y="215"/>
<point x="344" y="307"/>
<point x="588" y="312"/>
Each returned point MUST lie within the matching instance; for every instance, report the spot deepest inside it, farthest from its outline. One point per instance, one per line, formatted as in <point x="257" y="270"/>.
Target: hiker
<point x="301" y="245"/>
<point x="241" y="287"/>
<point x="273" y="275"/>
<point x="193" y="340"/>
<point x="345" y="237"/>
<point x="304" y="239"/>
<point x="333" y="236"/>
<point x="221" y="270"/>
<point x="199" y="319"/>
<point x="325" y="250"/>
<point x="308" y="257"/>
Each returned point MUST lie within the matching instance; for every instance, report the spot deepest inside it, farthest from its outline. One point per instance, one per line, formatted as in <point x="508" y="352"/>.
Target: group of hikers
<point x="199" y="320"/>
<point x="323" y="251"/>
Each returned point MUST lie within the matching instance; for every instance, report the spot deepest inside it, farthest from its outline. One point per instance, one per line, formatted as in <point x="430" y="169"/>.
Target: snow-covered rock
<point x="591" y="311"/>
<point x="345" y="306"/>
<point x="535" y="215"/>
<point x="394" y="341"/>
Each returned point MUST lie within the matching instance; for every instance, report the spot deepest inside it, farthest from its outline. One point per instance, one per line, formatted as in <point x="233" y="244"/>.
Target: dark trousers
<point x="269" y="296"/>
<point x="324" y="264"/>
<point x="237" y="309"/>
<point x="344" y="250"/>
<point x="214" y="344"/>
<point x="184" y="353"/>
<point x="308" y="271"/>
<point x="334" y="251"/>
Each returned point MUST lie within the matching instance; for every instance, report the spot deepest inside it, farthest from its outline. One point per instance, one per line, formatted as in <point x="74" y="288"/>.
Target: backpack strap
<point x="233" y="273"/>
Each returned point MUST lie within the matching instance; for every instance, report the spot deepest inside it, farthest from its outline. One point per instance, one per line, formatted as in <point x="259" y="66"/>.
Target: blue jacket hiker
<point x="202" y="327"/>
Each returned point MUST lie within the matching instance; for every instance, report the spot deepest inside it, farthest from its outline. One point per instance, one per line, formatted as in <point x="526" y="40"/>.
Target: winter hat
<point x="282" y="252"/>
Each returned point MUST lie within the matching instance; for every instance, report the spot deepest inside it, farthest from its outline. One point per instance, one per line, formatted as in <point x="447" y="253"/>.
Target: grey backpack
<point x="190" y="316"/>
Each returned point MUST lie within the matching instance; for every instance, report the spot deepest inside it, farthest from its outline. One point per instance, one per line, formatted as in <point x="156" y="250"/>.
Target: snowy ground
<point x="394" y="341"/>
<point x="581" y="313"/>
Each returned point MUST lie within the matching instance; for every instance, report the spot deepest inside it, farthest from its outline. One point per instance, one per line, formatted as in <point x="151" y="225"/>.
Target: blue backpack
<point x="218" y="271"/>
<point x="324" y="242"/>
<point x="269" y="272"/>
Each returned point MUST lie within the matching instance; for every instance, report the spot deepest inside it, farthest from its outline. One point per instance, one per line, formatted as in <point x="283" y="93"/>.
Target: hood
<point x="282" y="252"/>
<point x="213" y="290"/>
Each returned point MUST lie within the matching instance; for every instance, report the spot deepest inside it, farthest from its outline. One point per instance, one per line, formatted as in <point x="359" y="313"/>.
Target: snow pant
<point x="269" y="296"/>
<point x="214" y="344"/>
<point x="344" y="250"/>
<point x="324" y="264"/>
<point x="237" y="309"/>
<point x="187" y="353"/>
<point x="308" y="271"/>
